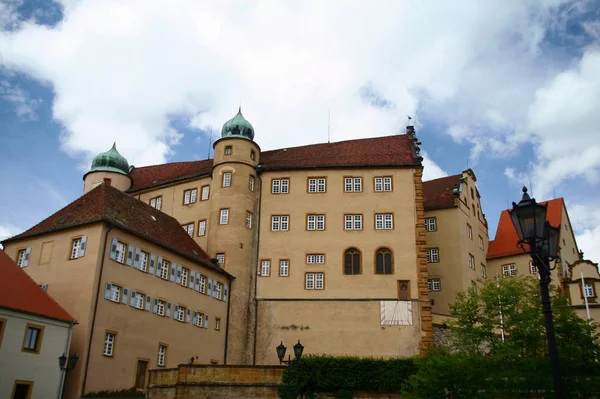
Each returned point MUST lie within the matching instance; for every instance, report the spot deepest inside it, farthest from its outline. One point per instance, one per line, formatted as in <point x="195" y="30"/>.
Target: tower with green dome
<point x="108" y="167"/>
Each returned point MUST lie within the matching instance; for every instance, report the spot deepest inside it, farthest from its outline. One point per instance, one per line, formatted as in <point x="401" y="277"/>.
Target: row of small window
<point x="433" y="256"/>
<point x="383" y="221"/>
<point x="352" y="184"/>
<point x="32" y="337"/>
<point x="384" y="263"/>
<point x="166" y="270"/>
<point x="77" y="251"/>
<point x="139" y="300"/>
<point x="223" y="219"/>
<point x="229" y="150"/>
<point x="431" y="225"/>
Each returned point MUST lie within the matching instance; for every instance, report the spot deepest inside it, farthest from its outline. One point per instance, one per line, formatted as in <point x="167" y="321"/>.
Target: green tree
<point x="498" y="347"/>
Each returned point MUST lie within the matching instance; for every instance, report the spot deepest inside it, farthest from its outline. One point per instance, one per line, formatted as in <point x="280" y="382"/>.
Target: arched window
<point x="384" y="262"/>
<point x="352" y="261"/>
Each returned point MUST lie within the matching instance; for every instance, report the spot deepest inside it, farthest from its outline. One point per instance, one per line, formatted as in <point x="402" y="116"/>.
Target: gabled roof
<point x="505" y="242"/>
<point x="389" y="151"/>
<point x="108" y="204"/>
<point x="19" y="292"/>
<point x="439" y="193"/>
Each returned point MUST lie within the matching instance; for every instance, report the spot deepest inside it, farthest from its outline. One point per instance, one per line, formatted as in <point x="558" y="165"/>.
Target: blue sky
<point x="509" y="89"/>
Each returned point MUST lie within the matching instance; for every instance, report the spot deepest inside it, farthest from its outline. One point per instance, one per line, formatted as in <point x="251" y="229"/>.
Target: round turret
<point x="238" y="126"/>
<point x="110" y="168"/>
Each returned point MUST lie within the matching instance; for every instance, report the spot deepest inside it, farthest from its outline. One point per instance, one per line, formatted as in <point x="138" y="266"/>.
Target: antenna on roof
<point x="530" y="186"/>
<point x="210" y="136"/>
<point x="329" y="127"/>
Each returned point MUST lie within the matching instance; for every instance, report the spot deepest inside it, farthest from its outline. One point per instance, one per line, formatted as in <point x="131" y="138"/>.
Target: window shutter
<point x="107" y="290"/>
<point x="124" y="297"/>
<point x="195" y="318"/>
<point x="27" y="254"/>
<point x="131" y="248"/>
<point x="168" y="309"/>
<point x="192" y="279"/>
<point x="148" y="303"/>
<point x="159" y="266"/>
<point x="155" y="309"/>
<point x="178" y="280"/>
<point x="205" y="321"/>
<point x="152" y="259"/>
<point x="173" y="269"/>
<point x="136" y="259"/>
<point x="175" y="309"/>
<point x="226" y="293"/>
<point x="209" y="292"/>
<point x="188" y="316"/>
<point x="198" y="282"/>
<point x="133" y="294"/>
<point x="113" y="249"/>
<point x="82" y="247"/>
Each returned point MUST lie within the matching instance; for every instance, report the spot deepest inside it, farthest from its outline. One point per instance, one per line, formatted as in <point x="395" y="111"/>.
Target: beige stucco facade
<point x="40" y="369"/>
<point x="93" y="179"/>
<point x="580" y="274"/>
<point x="79" y="286"/>
<point x="461" y="233"/>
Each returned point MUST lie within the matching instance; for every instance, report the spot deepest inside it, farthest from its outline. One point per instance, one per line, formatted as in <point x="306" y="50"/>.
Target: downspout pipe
<point x="227" y="321"/>
<point x="61" y="386"/>
<point x="89" y="348"/>
<point x="258" y="174"/>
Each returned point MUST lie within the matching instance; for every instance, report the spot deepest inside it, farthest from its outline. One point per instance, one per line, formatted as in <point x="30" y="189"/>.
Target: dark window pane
<point x="379" y="263"/>
<point x="348" y="265"/>
<point x="388" y="263"/>
<point x="356" y="263"/>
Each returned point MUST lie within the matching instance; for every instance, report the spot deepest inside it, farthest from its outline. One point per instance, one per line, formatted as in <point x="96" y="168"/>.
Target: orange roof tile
<point x="19" y="292"/>
<point x="505" y="242"/>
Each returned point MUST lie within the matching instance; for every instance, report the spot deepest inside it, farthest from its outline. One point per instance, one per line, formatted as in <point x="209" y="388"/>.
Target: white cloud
<point x="25" y="106"/>
<point x="430" y="169"/>
<point x="585" y="220"/>
<point x="9" y="230"/>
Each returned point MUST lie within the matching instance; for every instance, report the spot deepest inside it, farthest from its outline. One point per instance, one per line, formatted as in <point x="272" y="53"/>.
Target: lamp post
<point x="538" y="238"/>
<point x="298" y="349"/>
<point x="66" y="363"/>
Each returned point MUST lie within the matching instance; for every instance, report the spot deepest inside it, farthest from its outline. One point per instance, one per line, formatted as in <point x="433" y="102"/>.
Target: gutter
<point x="61" y="386"/>
<point x="227" y="321"/>
<point x="259" y="171"/>
<point x="89" y="348"/>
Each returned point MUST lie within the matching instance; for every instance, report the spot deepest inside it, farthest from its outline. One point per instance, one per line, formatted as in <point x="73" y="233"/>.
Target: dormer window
<point x="228" y="150"/>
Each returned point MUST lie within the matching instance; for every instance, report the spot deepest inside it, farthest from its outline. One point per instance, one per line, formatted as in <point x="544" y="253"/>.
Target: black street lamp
<point x="62" y="361"/>
<point x="298" y="349"/>
<point x="538" y="238"/>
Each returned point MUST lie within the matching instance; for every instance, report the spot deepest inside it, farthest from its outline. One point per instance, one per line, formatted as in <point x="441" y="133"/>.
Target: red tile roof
<point x="108" y="204"/>
<point x="19" y="292"/>
<point x="505" y="242"/>
<point x="380" y="151"/>
<point x="439" y="193"/>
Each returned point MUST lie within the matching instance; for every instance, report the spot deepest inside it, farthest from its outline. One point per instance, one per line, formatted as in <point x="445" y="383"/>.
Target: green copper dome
<point x="238" y="126"/>
<point x="110" y="161"/>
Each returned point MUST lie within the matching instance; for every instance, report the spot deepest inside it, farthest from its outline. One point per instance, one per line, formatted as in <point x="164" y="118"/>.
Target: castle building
<point x="220" y="260"/>
<point x="457" y="239"/>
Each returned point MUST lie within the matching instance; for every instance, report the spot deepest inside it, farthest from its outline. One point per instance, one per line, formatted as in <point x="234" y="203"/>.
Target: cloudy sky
<point x="508" y="88"/>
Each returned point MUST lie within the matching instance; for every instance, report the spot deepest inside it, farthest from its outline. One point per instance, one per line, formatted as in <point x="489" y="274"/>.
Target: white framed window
<point x="433" y="255"/>
<point x="202" y="284"/>
<point x="431" y="224"/>
<point x="179" y="314"/>
<point x="469" y="231"/>
<point x="201" y="228"/>
<point x="353" y="184"/>
<point x="184" y="276"/>
<point x="205" y="192"/>
<point x="383" y="183"/>
<point x="280" y="222"/>
<point x="137" y="300"/>
<point x="588" y="290"/>
<point x="384" y="221"/>
<point x="227" y="179"/>
<point x="224" y="218"/>
<point x="265" y="268"/>
<point x="115" y="293"/>
<point x="160" y="307"/>
<point x="317" y="185"/>
<point x="221" y="259"/>
<point x="315" y="259"/>
<point x="480" y="242"/>
<point x="218" y="290"/>
<point x="217" y="323"/>
<point x="314" y="281"/>
<point x="143" y="261"/>
<point x="280" y="186"/>
<point x="509" y="270"/>
<point x="189" y="228"/>
<point x="284" y="267"/>
<point x="76" y="248"/>
<point x="352" y="222"/>
<point x="315" y="222"/>
<point x="156" y="202"/>
<point x="198" y="319"/>
<point x="162" y="355"/>
<point x="434" y="284"/>
<point x="228" y="150"/>
<point x="164" y="269"/>
<point x="483" y="271"/>
<point x="471" y="261"/>
<point x="251" y="183"/>
<point x="23" y="257"/>
<point x="190" y="196"/>
<point x="109" y="343"/>
<point x="120" y="250"/>
<point x="533" y="269"/>
<point x="249" y="220"/>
